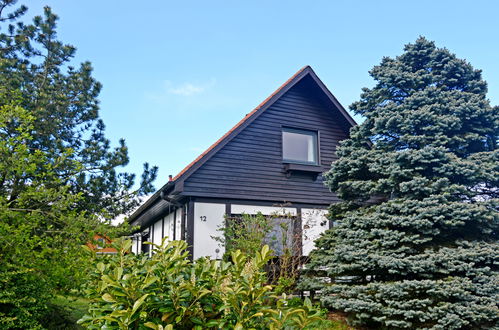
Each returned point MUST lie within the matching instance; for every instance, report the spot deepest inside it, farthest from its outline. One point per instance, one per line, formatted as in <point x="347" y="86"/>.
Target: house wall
<point x="150" y="239"/>
<point x="313" y="223"/>
<point x="265" y="210"/>
<point x="284" y="216"/>
<point x="135" y="245"/>
<point x="163" y="228"/>
<point x="178" y="224"/>
<point x="166" y="226"/>
<point x="158" y="228"/>
<point x="169" y="223"/>
<point x="250" y="166"/>
<point x="208" y="217"/>
<point x="313" y="220"/>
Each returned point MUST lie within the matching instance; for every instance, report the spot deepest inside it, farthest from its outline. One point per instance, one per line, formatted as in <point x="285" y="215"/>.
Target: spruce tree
<point x="414" y="243"/>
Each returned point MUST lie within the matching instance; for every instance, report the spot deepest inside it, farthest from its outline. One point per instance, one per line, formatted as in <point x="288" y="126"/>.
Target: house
<point x="101" y="245"/>
<point x="270" y="162"/>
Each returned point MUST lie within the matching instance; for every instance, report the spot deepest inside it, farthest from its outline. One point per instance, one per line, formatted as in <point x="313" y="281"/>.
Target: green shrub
<point x="245" y="232"/>
<point x="250" y="232"/>
<point x="168" y="290"/>
<point x="22" y="296"/>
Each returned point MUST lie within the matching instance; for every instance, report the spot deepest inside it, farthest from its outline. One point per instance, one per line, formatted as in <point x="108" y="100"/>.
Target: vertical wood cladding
<point x="250" y="166"/>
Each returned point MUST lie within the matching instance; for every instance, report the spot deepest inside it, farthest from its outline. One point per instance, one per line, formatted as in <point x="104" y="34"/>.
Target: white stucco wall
<point x="160" y="232"/>
<point x="169" y="223"/>
<point x="207" y="219"/>
<point x="157" y="232"/>
<point x="209" y="216"/>
<point x="313" y="223"/>
<point x="178" y="224"/>
<point x="149" y="239"/>
<point x="134" y="245"/>
<point x="265" y="210"/>
<point x="139" y="247"/>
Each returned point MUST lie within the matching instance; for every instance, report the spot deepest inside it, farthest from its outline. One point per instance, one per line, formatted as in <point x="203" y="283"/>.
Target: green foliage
<point x="247" y="233"/>
<point x="64" y="312"/>
<point x="58" y="177"/>
<point x="285" y="283"/>
<point x="21" y="293"/>
<point x="36" y="68"/>
<point x="415" y="245"/>
<point x="168" y="291"/>
<point x="40" y="232"/>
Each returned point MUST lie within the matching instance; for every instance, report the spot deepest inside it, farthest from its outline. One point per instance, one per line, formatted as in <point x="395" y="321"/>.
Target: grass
<point x="64" y="312"/>
<point x="329" y="325"/>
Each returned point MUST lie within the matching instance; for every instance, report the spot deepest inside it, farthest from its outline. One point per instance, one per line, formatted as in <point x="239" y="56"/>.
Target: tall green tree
<point x="41" y="233"/>
<point x="415" y="242"/>
<point x="63" y="101"/>
<point x="59" y="176"/>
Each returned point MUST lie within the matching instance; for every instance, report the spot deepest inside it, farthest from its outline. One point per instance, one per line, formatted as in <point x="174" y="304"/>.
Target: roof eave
<point x="153" y="199"/>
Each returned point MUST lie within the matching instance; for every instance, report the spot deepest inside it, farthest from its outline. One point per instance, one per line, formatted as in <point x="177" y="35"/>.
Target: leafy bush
<point x="40" y="232"/>
<point x="58" y="173"/>
<point x="245" y="232"/>
<point x="250" y="232"/>
<point x="22" y="293"/>
<point x="168" y="290"/>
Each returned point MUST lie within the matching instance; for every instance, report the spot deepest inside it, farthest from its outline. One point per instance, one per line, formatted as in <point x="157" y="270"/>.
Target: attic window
<point x="299" y="146"/>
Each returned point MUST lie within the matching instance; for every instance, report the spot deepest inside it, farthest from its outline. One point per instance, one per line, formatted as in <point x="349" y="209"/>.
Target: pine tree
<point x="64" y="102"/>
<point x="415" y="238"/>
<point x="59" y="174"/>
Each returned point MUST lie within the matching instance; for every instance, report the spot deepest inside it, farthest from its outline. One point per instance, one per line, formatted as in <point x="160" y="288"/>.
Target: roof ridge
<point x="245" y="118"/>
<point x="304" y="70"/>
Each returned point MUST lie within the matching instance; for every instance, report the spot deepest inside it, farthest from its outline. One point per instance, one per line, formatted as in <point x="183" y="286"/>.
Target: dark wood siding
<point x="250" y="166"/>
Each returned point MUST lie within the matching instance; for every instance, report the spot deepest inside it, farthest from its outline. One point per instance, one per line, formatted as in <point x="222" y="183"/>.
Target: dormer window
<point x="299" y="146"/>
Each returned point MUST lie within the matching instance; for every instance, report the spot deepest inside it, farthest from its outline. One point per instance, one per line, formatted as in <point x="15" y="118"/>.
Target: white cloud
<point x="187" y="89"/>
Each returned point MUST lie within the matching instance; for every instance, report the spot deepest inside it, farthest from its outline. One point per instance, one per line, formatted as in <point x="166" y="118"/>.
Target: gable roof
<point x="306" y="71"/>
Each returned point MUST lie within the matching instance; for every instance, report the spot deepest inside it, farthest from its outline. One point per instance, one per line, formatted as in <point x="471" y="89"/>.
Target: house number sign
<point x="203" y="218"/>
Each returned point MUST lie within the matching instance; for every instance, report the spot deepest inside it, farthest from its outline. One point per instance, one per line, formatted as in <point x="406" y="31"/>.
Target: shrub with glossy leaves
<point x="169" y="291"/>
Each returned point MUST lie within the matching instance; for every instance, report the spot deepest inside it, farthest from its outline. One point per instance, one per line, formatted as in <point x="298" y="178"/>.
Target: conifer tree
<point x="63" y="99"/>
<point x="59" y="175"/>
<point x="414" y="243"/>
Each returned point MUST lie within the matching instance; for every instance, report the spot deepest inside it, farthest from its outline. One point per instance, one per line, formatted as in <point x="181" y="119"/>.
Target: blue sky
<point x="178" y="74"/>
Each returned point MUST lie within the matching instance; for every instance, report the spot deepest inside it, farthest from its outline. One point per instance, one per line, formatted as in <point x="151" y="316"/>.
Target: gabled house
<point x="271" y="162"/>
